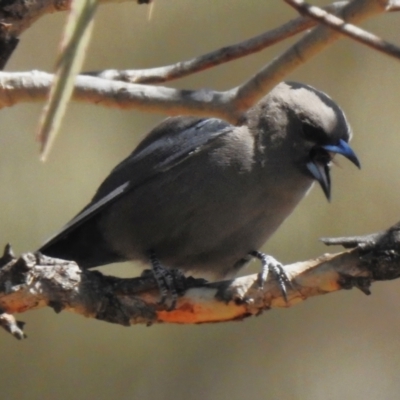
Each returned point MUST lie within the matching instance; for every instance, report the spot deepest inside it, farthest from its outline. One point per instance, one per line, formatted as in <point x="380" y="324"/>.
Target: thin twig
<point x="17" y="16"/>
<point x="351" y="31"/>
<point x="22" y="87"/>
<point x="216" y="57"/>
<point x="303" y="50"/>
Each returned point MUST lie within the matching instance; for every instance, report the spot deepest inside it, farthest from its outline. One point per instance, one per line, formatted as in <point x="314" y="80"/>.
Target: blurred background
<point x="342" y="346"/>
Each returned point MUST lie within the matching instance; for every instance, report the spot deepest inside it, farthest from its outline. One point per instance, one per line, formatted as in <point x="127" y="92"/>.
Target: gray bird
<point x="201" y="195"/>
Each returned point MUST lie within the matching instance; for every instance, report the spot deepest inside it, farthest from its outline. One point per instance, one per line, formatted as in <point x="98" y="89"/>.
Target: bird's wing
<point x="170" y="143"/>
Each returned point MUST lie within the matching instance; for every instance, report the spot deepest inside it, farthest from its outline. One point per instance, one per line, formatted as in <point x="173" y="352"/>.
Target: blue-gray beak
<point x="320" y="159"/>
<point x="345" y="150"/>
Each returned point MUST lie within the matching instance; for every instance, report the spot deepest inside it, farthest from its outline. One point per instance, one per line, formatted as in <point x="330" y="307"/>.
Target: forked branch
<point x="230" y="104"/>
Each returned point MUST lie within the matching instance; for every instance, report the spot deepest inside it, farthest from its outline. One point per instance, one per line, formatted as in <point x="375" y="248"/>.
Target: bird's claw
<point x="170" y="282"/>
<point x="271" y="265"/>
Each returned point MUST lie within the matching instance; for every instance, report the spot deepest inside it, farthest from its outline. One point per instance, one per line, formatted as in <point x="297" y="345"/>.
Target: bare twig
<point x="352" y="31"/>
<point x="18" y="87"/>
<point x="303" y="50"/>
<point x="34" y="281"/>
<point x="216" y="57"/>
<point x="76" y="37"/>
<point x="18" y="15"/>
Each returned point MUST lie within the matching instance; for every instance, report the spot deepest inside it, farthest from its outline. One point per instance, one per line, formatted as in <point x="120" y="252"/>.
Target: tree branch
<point x="17" y="87"/>
<point x="230" y="104"/>
<point x="303" y="50"/>
<point x="34" y="281"/>
<point x="216" y="57"/>
<point x="16" y="16"/>
<point x="351" y="31"/>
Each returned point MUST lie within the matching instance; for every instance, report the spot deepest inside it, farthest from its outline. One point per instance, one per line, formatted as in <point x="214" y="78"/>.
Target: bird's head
<point x="310" y="128"/>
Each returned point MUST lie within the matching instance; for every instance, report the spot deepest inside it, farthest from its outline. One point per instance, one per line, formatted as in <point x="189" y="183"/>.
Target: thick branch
<point x="17" y="87"/>
<point x="34" y="281"/>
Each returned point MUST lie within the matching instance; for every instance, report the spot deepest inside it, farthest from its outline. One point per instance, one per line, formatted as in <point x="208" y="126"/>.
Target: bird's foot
<point x="170" y="282"/>
<point x="271" y="265"/>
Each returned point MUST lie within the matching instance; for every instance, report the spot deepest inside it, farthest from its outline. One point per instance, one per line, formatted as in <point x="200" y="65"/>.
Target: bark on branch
<point x="34" y="281"/>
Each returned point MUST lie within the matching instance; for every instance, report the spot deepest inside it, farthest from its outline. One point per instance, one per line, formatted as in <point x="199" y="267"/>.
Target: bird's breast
<point x="203" y="217"/>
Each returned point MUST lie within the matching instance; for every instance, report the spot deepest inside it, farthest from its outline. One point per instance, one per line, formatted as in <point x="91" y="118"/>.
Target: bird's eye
<point x="312" y="133"/>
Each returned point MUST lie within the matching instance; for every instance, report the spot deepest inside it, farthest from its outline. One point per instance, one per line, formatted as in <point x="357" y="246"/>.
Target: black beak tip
<point x="328" y="197"/>
<point x="320" y="173"/>
<point x="354" y="159"/>
<point x="327" y="191"/>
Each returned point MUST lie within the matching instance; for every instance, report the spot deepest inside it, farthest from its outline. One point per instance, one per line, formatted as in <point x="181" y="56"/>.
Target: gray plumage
<point x="202" y="193"/>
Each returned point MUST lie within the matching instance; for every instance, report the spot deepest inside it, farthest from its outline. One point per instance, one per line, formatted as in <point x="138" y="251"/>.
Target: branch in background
<point x="16" y="16"/>
<point x="352" y="31"/>
<point x="216" y="57"/>
<point x="19" y="87"/>
<point x="76" y="36"/>
<point x="303" y="50"/>
<point x="34" y="281"/>
<point x="75" y="39"/>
